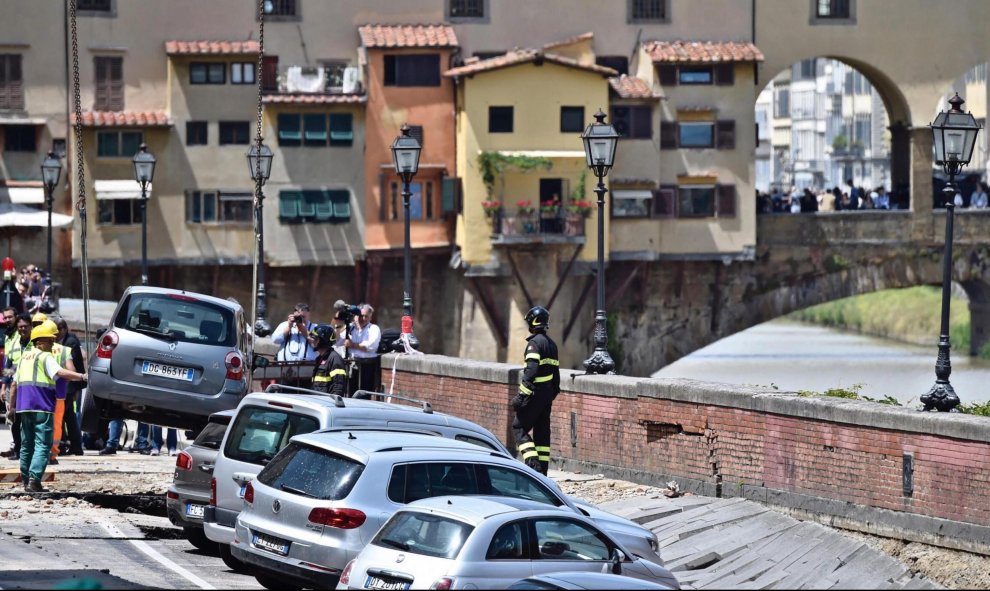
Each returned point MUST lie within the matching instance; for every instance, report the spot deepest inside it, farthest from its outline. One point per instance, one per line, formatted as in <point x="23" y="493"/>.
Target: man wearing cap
<point x="17" y="343"/>
<point x="35" y="396"/>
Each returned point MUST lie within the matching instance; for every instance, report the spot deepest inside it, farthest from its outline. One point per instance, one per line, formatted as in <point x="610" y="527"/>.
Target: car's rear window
<point x="259" y="433"/>
<point x="178" y="318"/>
<point x="312" y="472"/>
<point x="212" y="434"/>
<point x="424" y="533"/>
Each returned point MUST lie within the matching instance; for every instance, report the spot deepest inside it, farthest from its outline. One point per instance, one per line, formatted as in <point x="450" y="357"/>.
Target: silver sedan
<point x="478" y="542"/>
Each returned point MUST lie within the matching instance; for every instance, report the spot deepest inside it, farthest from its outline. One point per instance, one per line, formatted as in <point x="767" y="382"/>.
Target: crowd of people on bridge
<point x="853" y="198"/>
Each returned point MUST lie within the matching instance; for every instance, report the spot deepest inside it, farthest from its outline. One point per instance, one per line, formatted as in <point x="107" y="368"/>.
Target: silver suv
<point x="321" y="500"/>
<point x="266" y="421"/>
<point x="169" y="357"/>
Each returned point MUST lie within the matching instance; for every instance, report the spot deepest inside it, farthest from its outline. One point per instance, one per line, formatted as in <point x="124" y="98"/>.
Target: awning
<point x="119" y="189"/>
<point x="631" y="194"/>
<point x="24" y="195"/>
<point x="22" y="121"/>
<point x="544" y="153"/>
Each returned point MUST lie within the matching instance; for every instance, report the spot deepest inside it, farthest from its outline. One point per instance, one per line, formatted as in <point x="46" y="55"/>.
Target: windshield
<point x="212" y="434"/>
<point x="178" y="318"/>
<point x="311" y="472"/>
<point x="259" y="433"/>
<point x="424" y="533"/>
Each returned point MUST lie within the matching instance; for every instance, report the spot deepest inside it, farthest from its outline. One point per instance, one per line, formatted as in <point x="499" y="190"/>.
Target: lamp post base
<point x="942" y="397"/>
<point x="262" y="328"/>
<point x="600" y="362"/>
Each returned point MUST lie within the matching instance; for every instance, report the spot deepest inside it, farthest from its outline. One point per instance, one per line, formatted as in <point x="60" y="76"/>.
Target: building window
<point x="696" y="201"/>
<point x="696" y="135"/>
<point x="832" y="8"/>
<point x="412" y="70"/>
<point x="20" y="138"/>
<point x="465" y="9"/>
<point x="109" y="95"/>
<point x="341" y="129"/>
<point x="416" y="131"/>
<point x="289" y="129"/>
<point x="782" y="103"/>
<point x="422" y="202"/>
<point x="207" y="73"/>
<point x="393" y="201"/>
<point x="281" y="8"/>
<point x="11" y="82"/>
<point x="633" y="121"/>
<point x="619" y="63"/>
<point x="211" y="207"/>
<point x="648" y="11"/>
<point x="334" y="72"/>
<point x="500" y="119"/>
<point x="695" y="75"/>
<point x="119" y="212"/>
<point x="314" y="205"/>
<point x="94" y="5"/>
<point x="196" y="133"/>
<point x="58" y="146"/>
<point x="242" y="73"/>
<point x="629" y="203"/>
<point x="118" y="144"/>
<point x="571" y="119"/>
<point x="235" y="132"/>
<point x="314" y="129"/>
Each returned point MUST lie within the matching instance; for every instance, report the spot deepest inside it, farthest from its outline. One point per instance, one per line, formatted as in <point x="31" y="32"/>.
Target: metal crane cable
<point x="257" y="173"/>
<point x="80" y="174"/>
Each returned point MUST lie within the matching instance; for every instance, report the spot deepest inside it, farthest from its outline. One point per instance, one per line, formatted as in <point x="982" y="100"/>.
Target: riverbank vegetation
<point x="852" y="393"/>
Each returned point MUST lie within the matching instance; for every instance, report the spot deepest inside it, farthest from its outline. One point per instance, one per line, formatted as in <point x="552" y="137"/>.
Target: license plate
<point x="240" y="493"/>
<point x="150" y="368"/>
<point x="382" y="583"/>
<point x="270" y="544"/>
<point x="193" y="510"/>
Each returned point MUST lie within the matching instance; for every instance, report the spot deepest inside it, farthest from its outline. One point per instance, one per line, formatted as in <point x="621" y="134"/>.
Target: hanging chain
<point x="80" y="174"/>
<point x="258" y="77"/>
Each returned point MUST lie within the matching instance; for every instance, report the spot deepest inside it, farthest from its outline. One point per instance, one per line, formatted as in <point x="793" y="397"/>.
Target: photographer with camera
<point x="292" y="336"/>
<point x="362" y="339"/>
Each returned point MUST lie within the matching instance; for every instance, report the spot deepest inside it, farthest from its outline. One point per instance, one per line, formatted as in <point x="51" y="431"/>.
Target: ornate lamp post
<point x="51" y="170"/>
<point x="144" y="172"/>
<point x="954" y="133"/>
<point x="600" y="140"/>
<point x="260" y="163"/>
<point x="405" y="157"/>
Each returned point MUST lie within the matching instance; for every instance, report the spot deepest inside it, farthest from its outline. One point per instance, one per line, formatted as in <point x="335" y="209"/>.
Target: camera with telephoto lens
<point x="347" y="312"/>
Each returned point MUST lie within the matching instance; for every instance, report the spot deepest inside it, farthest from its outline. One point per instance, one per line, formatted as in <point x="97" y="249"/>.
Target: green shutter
<point x="450" y="188"/>
<point x="341" y="129"/>
<point x="289" y="132"/>
<point x="288" y="205"/>
<point x="310" y="199"/>
<point x="324" y="209"/>
<point x="341" y="201"/>
<point x="315" y="129"/>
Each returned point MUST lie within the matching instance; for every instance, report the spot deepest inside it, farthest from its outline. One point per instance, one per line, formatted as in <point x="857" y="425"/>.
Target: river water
<point x="796" y="356"/>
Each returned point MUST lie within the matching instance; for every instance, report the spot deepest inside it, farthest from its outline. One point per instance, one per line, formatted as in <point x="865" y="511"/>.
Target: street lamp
<point x="600" y="140"/>
<point x="259" y="159"/>
<point x="144" y="172"/>
<point x="954" y="133"/>
<point x="51" y="170"/>
<point x="405" y="158"/>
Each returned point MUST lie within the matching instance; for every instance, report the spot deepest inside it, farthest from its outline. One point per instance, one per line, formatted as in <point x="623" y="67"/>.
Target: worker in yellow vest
<point x="34" y="396"/>
<point x="16" y="344"/>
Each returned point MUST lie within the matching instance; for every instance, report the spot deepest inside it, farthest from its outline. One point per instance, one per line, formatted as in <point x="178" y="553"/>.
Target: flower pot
<point x="509" y="225"/>
<point x="527" y="223"/>
<point x="574" y="224"/>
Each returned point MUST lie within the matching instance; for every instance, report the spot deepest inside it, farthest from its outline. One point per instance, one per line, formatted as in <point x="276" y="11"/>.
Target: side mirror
<point x="259" y="361"/>
<point x="617" y="557"/>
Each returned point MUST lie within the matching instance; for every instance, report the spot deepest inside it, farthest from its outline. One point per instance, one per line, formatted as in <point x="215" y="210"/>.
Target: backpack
<point x="389" y="336"/>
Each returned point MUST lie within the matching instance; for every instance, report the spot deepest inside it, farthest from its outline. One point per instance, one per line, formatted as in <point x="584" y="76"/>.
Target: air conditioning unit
<point x="351" y="83"/>
<point x="304" y="79"/>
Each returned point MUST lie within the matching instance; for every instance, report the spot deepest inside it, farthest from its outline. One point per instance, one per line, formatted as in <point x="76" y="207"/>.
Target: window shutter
<point x="269" y="72"/>
<point x="668" y="75"/>
<point x="382" y="196"/>
<point x="668" y="135"/>
<point x="726" y="201"/>
<point x="665" y="202"/>
<point x="101" y="99"/>
<point x="450" y="189"/>
<point x="15" y="83"/>
<point x="725" y="74"/>
<point x="642" y="122"/>
<point x="725" y="135"/>
<point x="116" y="82"/>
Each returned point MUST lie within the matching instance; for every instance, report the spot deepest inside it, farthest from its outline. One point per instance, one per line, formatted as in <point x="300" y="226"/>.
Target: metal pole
<point x="942" y="396"/>
<point x="144" y="233"/>
<point x="261" y="326"/>
<point x="600" y="361"/>
<point x="48" y="267"/>
<point x="407" y="304"/>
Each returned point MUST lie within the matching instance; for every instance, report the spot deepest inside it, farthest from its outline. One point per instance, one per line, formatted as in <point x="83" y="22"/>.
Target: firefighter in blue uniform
<point x="539" y="384"/>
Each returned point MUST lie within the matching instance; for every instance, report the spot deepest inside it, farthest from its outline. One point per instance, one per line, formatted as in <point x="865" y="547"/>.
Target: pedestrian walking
<point x="34" y="394"/>
<point x="330" y="375"/>
<point x="539" y="384"/>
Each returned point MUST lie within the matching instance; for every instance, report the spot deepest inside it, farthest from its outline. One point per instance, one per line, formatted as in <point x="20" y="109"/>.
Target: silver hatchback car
<point x="480" y="542"/>
<point x="169" y="357"/>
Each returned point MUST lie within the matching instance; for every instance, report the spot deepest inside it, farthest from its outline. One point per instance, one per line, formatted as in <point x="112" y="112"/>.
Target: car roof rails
<point x="338" y="400"/>
<point x="379" y="429"/>
<point x="367" y="394"/>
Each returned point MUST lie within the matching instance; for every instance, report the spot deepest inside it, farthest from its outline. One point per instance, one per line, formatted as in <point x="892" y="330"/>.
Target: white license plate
<point x="240" y="493"/>
<point x="379" y="583"/>
<point x="150" y="368"/>
<point x="270" y="544"/>
<point x="193" y="510"/>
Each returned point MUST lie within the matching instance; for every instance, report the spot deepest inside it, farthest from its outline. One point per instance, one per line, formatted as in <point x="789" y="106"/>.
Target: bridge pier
<point x="921" y="183"/>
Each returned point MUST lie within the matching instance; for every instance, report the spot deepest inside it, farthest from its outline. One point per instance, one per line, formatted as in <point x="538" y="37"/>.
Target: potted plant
<point x="492" y="208"/>
<point x="580" y="207"/>
<point x="577" y="211"/>
<point x="525" y="212"/>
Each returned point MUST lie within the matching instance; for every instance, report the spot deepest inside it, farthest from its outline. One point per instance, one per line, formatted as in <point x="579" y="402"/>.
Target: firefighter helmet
<point x="538" y="319"/>
<point x="324" y="335"/>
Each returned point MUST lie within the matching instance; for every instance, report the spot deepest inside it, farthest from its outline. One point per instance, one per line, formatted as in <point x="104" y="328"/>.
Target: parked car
<point x="481" y="542"/>
<point x="189" y="493"/>
<point x="169" y="357"/>
<point x="320" y="500"/>
<point x="584" y="580"/>
<point x="266" y="421"/>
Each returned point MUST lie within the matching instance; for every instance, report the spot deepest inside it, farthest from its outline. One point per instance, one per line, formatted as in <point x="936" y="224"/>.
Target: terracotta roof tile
<point x="211" y="47"/>
<point x="570" y="40"/>
<point x="523" y="56"/>
<point x="313" y="99"/>
<point x="631" y="87"/>
<point x="702" y="51"/>
<point x="396" y="36"/>
<point x="124" y="119"/>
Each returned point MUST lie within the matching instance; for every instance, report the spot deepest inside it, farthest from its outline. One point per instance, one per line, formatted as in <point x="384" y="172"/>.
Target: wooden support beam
<point x="560" y="280"/>
<point x="522" y="284"/>
<point x="578" y="305"/>
<point x="482" y="292"/>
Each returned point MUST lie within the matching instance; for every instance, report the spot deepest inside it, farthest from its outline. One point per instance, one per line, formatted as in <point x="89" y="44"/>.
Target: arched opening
<point x="824" y="122"/>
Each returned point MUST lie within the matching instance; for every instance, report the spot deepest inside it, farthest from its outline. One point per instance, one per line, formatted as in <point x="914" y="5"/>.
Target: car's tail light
<point x="249" y="494"/>
<point x="443" y="583"/>
<point x="235" y="365"/>
<point x="172" y="495"/>
<point x="108" y="342"/>
<point x="338" y="518"/>
<point x="183" y="461"/>
<point x="345" y="577"/>
<point x="213" y="492"/>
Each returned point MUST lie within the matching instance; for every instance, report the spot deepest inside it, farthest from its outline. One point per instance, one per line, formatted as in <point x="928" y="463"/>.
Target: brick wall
<point x="833" y="457"/>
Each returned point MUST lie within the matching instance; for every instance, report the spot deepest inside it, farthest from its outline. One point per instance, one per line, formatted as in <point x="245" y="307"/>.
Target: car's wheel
<point x="89" y="412"/>
<point x="232" y="563"/>
<point x="274" y="583"/>
<point x="196" y="537"/>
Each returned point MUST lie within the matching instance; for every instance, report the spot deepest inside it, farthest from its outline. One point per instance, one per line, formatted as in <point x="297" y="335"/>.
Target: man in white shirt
<point x="291" y="336"/>
<point x="979" y="197"/>
<point x="362" y="347"/>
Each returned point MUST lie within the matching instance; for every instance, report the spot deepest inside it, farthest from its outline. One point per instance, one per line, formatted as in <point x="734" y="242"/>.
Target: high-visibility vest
<point x="35" y="390"/>
<point x="14" y="349"/>
<point x="61" y="353"/>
